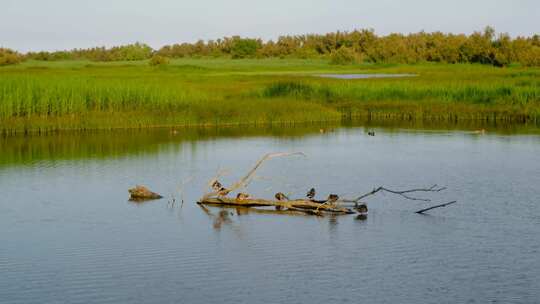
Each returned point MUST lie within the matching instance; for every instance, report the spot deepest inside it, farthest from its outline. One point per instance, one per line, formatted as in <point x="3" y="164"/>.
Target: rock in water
<point x="143" y="193"/>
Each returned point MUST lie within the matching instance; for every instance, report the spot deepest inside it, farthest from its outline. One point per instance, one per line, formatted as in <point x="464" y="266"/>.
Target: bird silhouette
<point x="216" y="186"/>
<point x="332" y="198"/>
<point x="242" y="196"/>
<point x="362" y="209"/>
<point x="281" y="197"/>
<point x="311" y="193"/>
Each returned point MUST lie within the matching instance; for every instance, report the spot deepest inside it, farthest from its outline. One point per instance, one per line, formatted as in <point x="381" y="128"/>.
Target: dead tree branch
<point x="403" y="193"/>
<point x="247" y="179"/>
<point x="299" y="204"/>
<point x="219" y="195"/>
<point x="244" y="182"/>
<point x="434" y="207"/>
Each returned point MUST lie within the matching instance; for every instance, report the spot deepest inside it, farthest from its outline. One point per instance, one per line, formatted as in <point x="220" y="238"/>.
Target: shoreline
<point x="403" y="120"/>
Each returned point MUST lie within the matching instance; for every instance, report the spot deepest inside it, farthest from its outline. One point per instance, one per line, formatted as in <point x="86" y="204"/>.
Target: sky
<point x="31" y="25"/>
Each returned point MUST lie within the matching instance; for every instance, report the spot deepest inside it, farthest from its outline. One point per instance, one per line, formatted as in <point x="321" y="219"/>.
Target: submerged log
<point x="312" y="207"/>
<point x="142" y="193"/>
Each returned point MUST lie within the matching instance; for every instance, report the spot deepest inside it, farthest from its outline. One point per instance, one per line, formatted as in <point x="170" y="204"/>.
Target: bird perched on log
<point x="281" y="197"/>
<point x="332" y="198"/>
<point x="223" y="192"/>
<point x="242" y="196"/>
<point x="362" y="209"/>
<point x="216" y="186"/>
<point x="311" y="194"/>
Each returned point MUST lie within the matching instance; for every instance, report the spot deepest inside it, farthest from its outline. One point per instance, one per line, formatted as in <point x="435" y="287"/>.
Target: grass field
<point x="80" y="95"/>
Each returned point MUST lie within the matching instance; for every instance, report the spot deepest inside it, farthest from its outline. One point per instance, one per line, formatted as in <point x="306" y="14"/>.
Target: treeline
<point x="130" y="52"/>
<point x="364" y="45"/>
<point x="484" y="47"/>
<point x="8" y="57"/>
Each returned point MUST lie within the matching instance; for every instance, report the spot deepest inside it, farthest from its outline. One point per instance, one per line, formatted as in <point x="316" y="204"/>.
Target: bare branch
<point x="438" y="206"/>
<point x="247" y="179"/>
<point x="403" y="193"/>
<point x="244" y="182"/>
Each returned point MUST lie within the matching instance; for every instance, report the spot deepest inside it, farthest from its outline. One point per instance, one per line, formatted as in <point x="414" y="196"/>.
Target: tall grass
<point x="78" y="95"/>
<point x="406" y="91"/>
<point x="56" y="96"/>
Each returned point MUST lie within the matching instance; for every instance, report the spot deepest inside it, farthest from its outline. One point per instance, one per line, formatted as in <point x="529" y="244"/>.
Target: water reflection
<point x="64" y="215"/>
<point x="20" y="150"/>
<point x="361" y="217"/>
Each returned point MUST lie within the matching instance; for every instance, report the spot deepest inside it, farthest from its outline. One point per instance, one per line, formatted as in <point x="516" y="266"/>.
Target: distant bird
<point x="332" y="198"/>
<point x="481" y="131"/>
<point x="281" y="197"/>
<point x="362" y="209"/>
<point x="216" y="186"/>
<point x="242" y="196"/>
<point x="371" y="133"/>
<point x="311" y="193"/>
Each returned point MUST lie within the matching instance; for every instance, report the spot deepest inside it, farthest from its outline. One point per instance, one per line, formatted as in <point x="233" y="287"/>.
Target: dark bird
<point x="216" y="186"/>
<point x="332" y="198"/>
<point x="311" y="193"/>
<point x="242" y="196"/>
<point x="371" y="133"/>
<point x="362" y="209"/>
<point x="281" y="197"/>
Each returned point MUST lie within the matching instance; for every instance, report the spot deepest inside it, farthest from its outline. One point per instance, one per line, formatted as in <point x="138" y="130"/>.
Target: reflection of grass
<point x="20" y="150"/>
<point x="84" y="95"/>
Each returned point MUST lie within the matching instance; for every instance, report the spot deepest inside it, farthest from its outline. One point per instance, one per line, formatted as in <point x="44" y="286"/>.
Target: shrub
<point x="344" y="56"/>
<point x="306" y="53"/>
<point x="243" y="48"/>
<point x="8" y="57"/>
<point x="530" y="57"/>
<point x="158" y="60"/>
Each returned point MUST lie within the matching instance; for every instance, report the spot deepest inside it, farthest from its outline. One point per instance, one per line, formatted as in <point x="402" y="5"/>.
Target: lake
<point x="68" y="233"/>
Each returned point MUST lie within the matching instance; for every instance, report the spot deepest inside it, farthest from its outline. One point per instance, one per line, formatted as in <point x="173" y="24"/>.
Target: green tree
<point x="8" y="57"/>
<point x="158" y="60"/>
<point x="242" y="48"/>
<point x="344" y="55"/>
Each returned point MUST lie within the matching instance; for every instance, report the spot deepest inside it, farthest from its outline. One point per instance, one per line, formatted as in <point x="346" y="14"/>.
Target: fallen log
<point x="311" y="207"/>
<point x="333" y="204"/>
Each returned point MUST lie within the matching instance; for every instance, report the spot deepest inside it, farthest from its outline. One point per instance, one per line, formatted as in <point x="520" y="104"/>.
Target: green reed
<point x="80" y="95"/>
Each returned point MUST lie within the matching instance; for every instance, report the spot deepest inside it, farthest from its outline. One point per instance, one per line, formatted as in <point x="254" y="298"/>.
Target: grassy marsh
<point x="45" y="96"/>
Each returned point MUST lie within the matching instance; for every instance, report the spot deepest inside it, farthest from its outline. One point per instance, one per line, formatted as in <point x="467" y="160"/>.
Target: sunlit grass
<point x="84" y="95"/>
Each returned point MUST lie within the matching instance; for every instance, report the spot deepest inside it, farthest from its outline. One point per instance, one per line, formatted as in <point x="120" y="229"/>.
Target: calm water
<point x="365" y="76"/>
<point x="69" y="235"/>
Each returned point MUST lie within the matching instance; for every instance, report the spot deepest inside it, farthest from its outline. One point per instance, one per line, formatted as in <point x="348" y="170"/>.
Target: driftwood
<point x="434" y="207"/>
<point x="403" y="193"/>
<point x="334" y="204"/>
<point x="244" y="182"/>
<point x="307" y="206"/>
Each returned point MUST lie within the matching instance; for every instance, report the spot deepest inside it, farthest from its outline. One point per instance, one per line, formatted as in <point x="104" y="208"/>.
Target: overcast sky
<point x="66" y="24"/>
